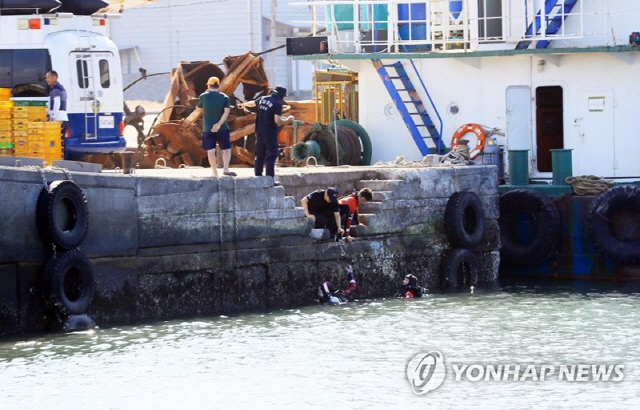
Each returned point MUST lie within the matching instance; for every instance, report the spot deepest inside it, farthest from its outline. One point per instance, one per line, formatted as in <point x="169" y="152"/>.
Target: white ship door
<point x="519" y="117"/>
<point x="594" y="150"/>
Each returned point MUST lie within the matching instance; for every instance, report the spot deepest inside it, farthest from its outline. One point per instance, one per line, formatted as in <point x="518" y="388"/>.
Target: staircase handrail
<point x="424" y="87"/>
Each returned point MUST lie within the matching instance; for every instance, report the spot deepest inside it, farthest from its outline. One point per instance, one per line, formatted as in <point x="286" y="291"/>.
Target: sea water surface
<point x="345" y="357"/>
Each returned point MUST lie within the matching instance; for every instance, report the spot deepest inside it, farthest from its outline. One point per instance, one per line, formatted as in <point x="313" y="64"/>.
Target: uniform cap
<point x="282" y="92"/>
<point x="213" y="81"/>
<point x="333" y="195"/>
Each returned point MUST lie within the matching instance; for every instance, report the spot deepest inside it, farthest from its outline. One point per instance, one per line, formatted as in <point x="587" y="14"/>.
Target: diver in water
<point x="410" y="288"/>
<point x="327" y="294"/>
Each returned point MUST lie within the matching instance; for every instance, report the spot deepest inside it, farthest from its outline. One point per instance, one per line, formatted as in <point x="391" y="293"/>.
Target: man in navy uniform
<point x="322" y="207"/>
<point x="268" y="118"/>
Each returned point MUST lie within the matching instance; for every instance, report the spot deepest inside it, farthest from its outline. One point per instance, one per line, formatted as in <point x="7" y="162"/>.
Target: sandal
<point x="230" y="174"/>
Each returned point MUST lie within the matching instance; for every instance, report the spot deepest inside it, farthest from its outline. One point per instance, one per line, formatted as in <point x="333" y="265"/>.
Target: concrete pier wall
<point x="164" y="248"/>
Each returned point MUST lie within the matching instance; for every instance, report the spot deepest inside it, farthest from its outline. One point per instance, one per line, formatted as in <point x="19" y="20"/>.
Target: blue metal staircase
<point x="556" y="11"/>
<point x="409" y="105"/>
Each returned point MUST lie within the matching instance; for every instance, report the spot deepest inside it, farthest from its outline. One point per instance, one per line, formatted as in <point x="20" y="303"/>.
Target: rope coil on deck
<point x="589" y="184"/>
<point x="459" y="155"/>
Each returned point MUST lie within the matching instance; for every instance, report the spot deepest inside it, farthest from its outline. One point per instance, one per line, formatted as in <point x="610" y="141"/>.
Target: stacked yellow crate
<point x="6" y="138"/>
<point x="20" y="129"/>
<point x="5" y="94"/>
<point x="53" y="141"/>
<point x="36" y="139"/>
<point x="37" y="113"/>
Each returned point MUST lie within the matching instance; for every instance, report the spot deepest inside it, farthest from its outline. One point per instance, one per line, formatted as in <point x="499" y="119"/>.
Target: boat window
<point x="83" y="73"/>
<point x="489" y="19"/>
<point x="105" y="81"/>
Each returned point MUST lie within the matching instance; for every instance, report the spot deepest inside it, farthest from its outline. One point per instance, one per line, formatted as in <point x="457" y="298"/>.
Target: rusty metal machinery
<point x="175" y="137"/>
<point x="336" y="96"/>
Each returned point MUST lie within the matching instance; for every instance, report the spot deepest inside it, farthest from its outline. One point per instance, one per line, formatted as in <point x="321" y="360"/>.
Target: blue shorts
<point x="209" y="140"/>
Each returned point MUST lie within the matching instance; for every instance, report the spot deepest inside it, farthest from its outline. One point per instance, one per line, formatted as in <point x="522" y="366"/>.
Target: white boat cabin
<point x="537" y="74"/>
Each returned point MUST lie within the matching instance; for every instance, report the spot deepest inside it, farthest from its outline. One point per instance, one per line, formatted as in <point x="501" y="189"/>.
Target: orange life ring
<point x="462" y="131"/>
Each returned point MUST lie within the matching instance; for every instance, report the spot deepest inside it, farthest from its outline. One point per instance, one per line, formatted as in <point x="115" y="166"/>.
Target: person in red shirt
<point x="410" y="288"/>
<point x="327" y="294"/>
<point x="349" y="209"/>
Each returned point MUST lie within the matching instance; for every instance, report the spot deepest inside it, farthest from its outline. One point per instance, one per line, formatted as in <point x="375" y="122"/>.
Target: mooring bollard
<point x="561" y="165"/>
<point x="518" y="166"/>
<point x="127" y="162"/>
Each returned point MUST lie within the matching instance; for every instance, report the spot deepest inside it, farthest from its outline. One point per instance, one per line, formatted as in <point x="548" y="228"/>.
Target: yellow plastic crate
<point x="53" y="125"/>
<point x="6" y="152"/>
<point x="37" y="138"/>
<point x="53" y="138"/>
<point x="6" y="104"/>
<point x="53" y="156"/>
<point x="38" y="109"/>
<point x="5" y="94"/>
<point x="37" y="145"/>
<point x="20" y="133"/>
<point x="53" y="144"/>
<point x="40" y="117"/>
<point x="36" y="125"/>
<point x="20" y="109"/>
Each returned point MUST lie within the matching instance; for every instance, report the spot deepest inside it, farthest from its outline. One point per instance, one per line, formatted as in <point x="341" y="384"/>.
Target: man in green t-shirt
<point x="215" y="107"/>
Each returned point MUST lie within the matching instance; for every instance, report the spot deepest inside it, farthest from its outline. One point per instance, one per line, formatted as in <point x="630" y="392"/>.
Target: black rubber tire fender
<point x="68" y="282"/>
<point x="62" y="214"/>
<point x="78" y="323"/>
<point x="459" y="270"/>
<point x="613" y="224"/>
<point x="464" y="220"/>
<point x="546" y="221"/>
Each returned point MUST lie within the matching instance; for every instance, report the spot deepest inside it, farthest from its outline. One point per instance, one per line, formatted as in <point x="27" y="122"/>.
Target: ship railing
<point x="397" y="26"/>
